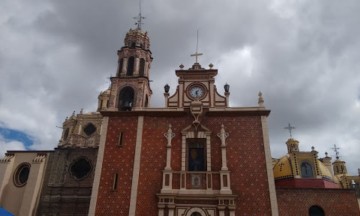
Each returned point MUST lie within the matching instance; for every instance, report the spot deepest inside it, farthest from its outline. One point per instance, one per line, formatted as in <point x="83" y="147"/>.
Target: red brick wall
<point x="117" y="160"/>
<point x="334" y="202"/>
<point x="305" y="183"/>
<point x="245" y="153"/>
<point x="246" y="161"/>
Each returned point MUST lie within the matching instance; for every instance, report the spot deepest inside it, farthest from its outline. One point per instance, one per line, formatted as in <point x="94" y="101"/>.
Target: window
<point x="130" y="66"/>
<point x="142" y="67"/>
<point x="80" y="168"/>
<point x="316" y="211"/>
<point x="196" y="155"/>
<point x="306" y="170"/>
<point x="146" y="101"/>
<point x="196" y="214"/>
<point x="66" y="133"/>
<point x="115" y="181"/>
<point x="120" y="67"/>
<point x="21" y="174"/>
<point x="126" y="99"/>
<point x="89" y="129"/>
<point x="120" y="140"/>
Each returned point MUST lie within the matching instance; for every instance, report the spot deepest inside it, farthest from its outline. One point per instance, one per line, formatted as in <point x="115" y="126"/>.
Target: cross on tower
<point x="139" y="17"/>
<point x="290" y="128"/>
<point x="196" y="54"/>
<point x="336" y="151"/>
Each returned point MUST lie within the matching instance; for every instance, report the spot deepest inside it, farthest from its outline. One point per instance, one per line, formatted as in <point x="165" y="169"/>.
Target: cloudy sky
<point x="56" y="56"/>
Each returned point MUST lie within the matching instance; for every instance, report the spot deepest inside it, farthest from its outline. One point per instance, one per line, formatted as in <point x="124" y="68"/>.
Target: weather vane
<point x="336" y="151"/>
<point x="139" y="18"/>
<point x="196" y="54"/>
<point x="290" y="128"/>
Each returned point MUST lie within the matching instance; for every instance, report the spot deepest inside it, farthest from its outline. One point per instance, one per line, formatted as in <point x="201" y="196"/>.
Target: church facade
<point x="184" y="159"/>
<point x="196" y="156"/>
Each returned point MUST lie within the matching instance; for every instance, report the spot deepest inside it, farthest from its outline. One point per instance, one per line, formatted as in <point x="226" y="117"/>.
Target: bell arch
<point x="126" y="99"/>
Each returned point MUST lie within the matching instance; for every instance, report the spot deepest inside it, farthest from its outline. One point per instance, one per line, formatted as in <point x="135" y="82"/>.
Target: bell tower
<point x="130" y="88"/>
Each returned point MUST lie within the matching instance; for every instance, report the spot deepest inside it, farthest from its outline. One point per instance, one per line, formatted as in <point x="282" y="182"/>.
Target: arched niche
<point x="126" y="99"/>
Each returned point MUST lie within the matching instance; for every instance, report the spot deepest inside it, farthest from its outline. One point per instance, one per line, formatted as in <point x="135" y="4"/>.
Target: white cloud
<point x="9" y="145"/>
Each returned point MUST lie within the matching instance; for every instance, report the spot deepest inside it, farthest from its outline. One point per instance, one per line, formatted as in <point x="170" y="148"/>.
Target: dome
<point x="137" y="38"/>
<point x="283" y="169"/>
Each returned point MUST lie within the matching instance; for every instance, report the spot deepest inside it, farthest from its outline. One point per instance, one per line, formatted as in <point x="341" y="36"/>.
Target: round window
<point x="80" y="168"/>
<point x="21" y="174"/>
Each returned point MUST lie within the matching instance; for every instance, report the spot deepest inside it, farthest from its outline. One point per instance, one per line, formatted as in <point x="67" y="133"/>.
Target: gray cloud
<point x="56" y="56"/>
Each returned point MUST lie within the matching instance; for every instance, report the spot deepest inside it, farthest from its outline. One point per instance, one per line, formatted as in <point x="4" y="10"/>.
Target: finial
<point x="312" y="148"/>
<point x="326" y="154"/>
<point x="290" y="128"/>
<point x="81" y="111"/>
<point x="73" y="114"/>
<point x="139" y="18"/>
<point x="196" y="54"/>
<point x="227" y="88"/>
<point x="211" y="65"/>
<point x="166" y="88"/>
<point x="181" y="66"/>
<point x="261" y="99"/>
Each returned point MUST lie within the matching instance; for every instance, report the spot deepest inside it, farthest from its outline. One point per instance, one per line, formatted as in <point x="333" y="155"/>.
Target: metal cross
<point x="139" y="18"/>
<point x="336" y="151"/>
<point x="290" y="128"/>
<point x="196" y="54"/>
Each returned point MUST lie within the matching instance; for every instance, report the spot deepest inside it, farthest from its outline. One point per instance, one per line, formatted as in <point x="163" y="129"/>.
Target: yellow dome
<point x="282" y="169"/>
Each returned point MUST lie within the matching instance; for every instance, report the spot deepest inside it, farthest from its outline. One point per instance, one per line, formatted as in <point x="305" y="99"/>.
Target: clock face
<point x="197" y="92"/>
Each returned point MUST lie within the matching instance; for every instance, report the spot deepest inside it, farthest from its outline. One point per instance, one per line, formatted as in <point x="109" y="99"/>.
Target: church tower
<point x="130" y="88"/>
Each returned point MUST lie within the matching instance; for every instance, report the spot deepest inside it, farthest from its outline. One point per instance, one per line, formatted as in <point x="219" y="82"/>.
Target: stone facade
<point x="65" y="191"/>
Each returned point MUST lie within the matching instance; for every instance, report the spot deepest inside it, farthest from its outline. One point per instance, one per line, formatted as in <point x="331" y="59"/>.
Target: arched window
<point x="316" y="211"/>
<point x="306" y="170"/>
<point x="120" y="67"/>
<point x="196" y="214"/>
<point x="130" y="66"/>
<point x="126" y="99"/>
<point x="142" y="67"/>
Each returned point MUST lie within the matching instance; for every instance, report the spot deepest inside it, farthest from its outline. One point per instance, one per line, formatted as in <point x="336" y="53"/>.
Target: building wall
<point x="245" y="153"/>
<point x="62" y="193"/>
<point x="334" y="202"/>
<point x="22" y="200"/>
